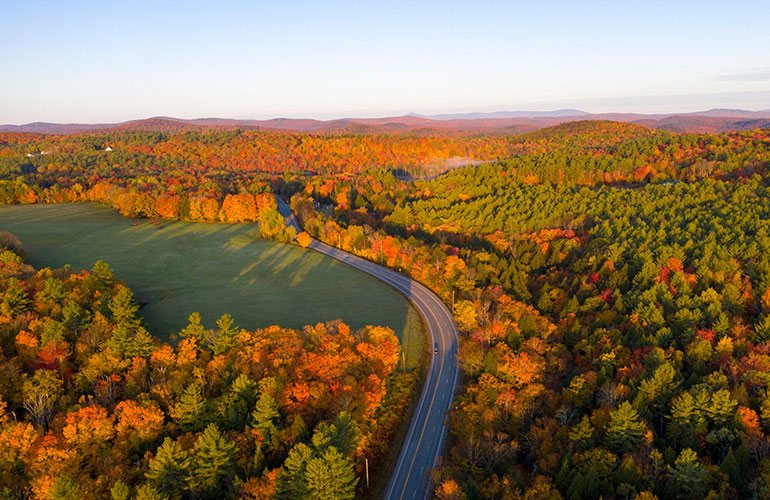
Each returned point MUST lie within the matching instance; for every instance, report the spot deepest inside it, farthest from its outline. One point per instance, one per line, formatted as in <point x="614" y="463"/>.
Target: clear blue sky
<point x="72" y="61"/>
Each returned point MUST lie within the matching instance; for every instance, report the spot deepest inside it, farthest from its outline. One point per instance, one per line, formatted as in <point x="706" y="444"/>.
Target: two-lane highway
<point x="426" y="435"/>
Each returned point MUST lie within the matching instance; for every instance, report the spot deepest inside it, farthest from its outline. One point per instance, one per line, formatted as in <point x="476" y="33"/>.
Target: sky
<point x="105" y="61"/>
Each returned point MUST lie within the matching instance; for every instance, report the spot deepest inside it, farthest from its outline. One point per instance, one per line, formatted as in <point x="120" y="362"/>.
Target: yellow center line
<point x="430" y="407"/>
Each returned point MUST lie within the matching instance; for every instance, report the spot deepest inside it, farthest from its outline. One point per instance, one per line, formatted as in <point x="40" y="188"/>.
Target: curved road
<point x="425" y="438"/>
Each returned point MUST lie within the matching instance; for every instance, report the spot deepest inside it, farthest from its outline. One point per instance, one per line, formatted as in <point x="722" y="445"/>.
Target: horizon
<point x="113" y="62"/>
<point x="431" y="116"/>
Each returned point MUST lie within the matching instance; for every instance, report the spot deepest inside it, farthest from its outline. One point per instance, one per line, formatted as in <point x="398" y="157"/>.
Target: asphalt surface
<point x="426" y="436"/>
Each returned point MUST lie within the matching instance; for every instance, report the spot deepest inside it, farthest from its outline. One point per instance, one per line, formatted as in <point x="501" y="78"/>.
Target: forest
<point x="92" y="405"/>
<point x="611" y="283"/>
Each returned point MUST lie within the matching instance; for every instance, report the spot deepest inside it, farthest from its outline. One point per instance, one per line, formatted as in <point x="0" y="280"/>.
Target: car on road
<point x="435" y="348"/>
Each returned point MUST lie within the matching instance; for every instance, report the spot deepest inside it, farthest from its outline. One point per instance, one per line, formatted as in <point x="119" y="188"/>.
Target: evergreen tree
<point x="264" y="415"/>
<point x="212" y="463"/>
<point x="169" y="469"/>
<point x="625" y="431"/>
<point x="73" y="317"/>
<point x="722" y="408"/>
<point x="627" y="473"/>
<point x="103" y="272"/>
<point x="66" y="489"/>
<point x="762" y="329"/>
<point x="318" y="478"/>
<point x="120" y="491"/>
<point x="124" y="309"/>
<point x="188" y="411"/>
<point x="225" y="336"/>
<point x="14" y="299"/>
<point x="291" y="483"/>
<point x="195" y="329"/>
<point x="343" y="475"/>
<point x="582" y="434"/>
<point x="148" y="492"/>
<point x="330" y="477"/>
<point x="347" y="435"/>
<point x="688" y="475"/>
<point x="732" y="470"/>
<point x="119" y="341"/>
<point x="140" y="344"/>
<point x="53" y="291"/>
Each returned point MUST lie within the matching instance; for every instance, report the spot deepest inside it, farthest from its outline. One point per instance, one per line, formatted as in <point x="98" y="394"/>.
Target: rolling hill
<point x="506" y="122"/>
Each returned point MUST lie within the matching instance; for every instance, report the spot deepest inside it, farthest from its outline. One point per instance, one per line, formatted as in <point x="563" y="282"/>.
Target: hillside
<point x="711" y="121"/>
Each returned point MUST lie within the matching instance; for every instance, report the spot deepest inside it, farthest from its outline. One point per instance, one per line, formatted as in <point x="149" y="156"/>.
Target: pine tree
<point x="625" y="431"/>
<point x="188" y="411"/>
<point x="66" y="489"/>
<point x="244" y="387"/>
<point x="119" y="341"/>
<point x="264" y="414"/>
<point x="298" y="428"/>
<point x="319" y="479"/>
<point x="169" y="469"/>
<point x="124" y="309"/>
<point x="347" y="436"/>
<point x="722" y="407"/>
<point x="120" y="491"/>
<point x="343" y="476"/>
<point x="762" y="329"/>
<point x="330" y="476"/>
<point x="140" y="344"/>
<point x="582" y="434"/>
<point x="103" y="273"/>
<point x="148" y="492"/>
<point x="73" y="317"/>
<point x="743" y="456"/>
<point x="732" y="470"/>
<point x="212" y="463"/>
<point x="291" y="484"/>
<point x="688" y="475"/>
<point x="195" y="329"/>
<point x="14" y="299"/>
<point x="53" y="291"/>
<point x="225" y="336"/>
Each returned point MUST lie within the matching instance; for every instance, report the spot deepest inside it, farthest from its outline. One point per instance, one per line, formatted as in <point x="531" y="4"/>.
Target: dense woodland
<point x="92" y="406"/>
<point x="612" y="286"/>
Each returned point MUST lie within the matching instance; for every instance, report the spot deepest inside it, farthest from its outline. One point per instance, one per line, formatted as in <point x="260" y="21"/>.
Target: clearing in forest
<point x="175" y="268"/>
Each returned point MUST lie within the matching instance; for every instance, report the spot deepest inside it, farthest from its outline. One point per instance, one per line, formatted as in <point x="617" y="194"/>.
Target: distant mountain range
<point x="510" y="122"/>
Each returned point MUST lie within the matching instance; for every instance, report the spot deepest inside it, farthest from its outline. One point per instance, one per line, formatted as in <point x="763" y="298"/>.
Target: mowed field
<point x="213" y="269"/>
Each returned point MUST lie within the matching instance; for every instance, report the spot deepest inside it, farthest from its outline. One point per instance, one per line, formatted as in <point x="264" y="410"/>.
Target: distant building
<point x="30" y="155"/>
<point x="108" y="148"/>
<point x="45" y="152"/>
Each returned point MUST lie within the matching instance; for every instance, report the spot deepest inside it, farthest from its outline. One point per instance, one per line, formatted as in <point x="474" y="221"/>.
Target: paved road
<point x="427" y="434"/>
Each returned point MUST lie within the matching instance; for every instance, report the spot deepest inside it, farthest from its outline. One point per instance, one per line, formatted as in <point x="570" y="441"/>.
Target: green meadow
<point x="181" y="267"/>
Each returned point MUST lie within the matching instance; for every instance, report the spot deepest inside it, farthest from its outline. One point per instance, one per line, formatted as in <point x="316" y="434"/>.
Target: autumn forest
<point x="610" y="284"/>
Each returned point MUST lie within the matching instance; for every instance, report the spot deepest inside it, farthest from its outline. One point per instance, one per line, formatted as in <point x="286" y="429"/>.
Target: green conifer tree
<point x="688" y="475"/>
<point x="103" y="272"/>
<point x="169" y="469"/>
<point x="66" y="489"/>
<point x="148" y="492"/>
<point x="195" y="329"/>
<point x="120" y="491"/>
<point x="212" y="468"/>
<point x="291" y="483"/>
<point x="625" y="431"/>
<point x="264" y="415"/>
<point x="124" y="309"/>
<point x="188" y="411"/>
<point x="732" y="470"/>
<point x="225" y="336"/>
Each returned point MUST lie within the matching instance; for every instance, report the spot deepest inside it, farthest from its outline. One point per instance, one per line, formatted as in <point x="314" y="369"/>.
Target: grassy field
<point x="213" y="269"/>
